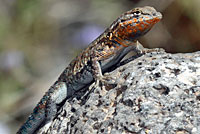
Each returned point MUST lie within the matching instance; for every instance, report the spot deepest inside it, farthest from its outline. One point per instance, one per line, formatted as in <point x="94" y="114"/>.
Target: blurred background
<point x="38" y="39"/>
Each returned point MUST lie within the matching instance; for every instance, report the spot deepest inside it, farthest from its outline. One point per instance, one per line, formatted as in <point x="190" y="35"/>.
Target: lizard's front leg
<point x="138" y="48"/>
<point x="96" y="70"/>
<point x="97" y="73"/>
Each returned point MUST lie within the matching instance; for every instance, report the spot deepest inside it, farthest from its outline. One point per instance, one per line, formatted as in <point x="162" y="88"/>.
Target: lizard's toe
<point x="146" y="50"/>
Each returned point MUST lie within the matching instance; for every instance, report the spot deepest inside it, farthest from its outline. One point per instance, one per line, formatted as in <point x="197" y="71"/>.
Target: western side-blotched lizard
<point x="103" y="53"/>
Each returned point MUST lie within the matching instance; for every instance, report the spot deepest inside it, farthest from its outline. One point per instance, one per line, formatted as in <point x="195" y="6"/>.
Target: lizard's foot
<point x="140" y="50"/>
<point x="105" y="83"/>
<point x="106" y="80"/>
<point x="146" y="50"/>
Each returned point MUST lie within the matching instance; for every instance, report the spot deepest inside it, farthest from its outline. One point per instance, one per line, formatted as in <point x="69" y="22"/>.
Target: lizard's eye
<point x="136" y="13"/>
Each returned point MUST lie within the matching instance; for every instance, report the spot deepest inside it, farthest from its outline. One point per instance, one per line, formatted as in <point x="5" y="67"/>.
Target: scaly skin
<point x="102" y="54"/>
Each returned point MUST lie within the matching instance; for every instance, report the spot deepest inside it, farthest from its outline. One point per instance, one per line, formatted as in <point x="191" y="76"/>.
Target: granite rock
<point x="157" y="93"/>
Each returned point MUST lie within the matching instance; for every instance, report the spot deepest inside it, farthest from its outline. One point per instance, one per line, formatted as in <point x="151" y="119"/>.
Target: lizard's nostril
<point x="158" y="15"/>
<point x="154" y="14"/>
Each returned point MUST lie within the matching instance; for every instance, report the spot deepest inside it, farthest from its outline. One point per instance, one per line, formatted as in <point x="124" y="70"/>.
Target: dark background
<point x="38" y="38"/>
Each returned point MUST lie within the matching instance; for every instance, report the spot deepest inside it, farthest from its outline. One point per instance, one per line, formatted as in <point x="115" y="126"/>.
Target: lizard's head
<point x="136" y="22"/>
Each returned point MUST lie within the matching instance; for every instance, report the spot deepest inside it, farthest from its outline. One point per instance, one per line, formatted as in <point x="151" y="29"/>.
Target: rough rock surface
<point x="158" y="93"/>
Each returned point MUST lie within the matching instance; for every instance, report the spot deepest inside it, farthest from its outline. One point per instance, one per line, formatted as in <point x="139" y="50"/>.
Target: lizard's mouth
<point x="158" y="15"/>
<point x="156" y="18"/>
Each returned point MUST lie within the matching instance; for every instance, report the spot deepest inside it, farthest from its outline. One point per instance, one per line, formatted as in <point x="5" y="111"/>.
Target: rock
<point x="156" y="93"/>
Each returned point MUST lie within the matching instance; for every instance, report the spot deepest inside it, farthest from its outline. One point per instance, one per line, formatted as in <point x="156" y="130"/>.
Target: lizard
<point x="103" y="53"/>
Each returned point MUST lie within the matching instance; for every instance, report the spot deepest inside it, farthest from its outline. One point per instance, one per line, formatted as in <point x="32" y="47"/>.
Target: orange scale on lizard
<point x="140" y="19"/>
<point x="130" y="22"/>
<point x="134" y="20"/>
